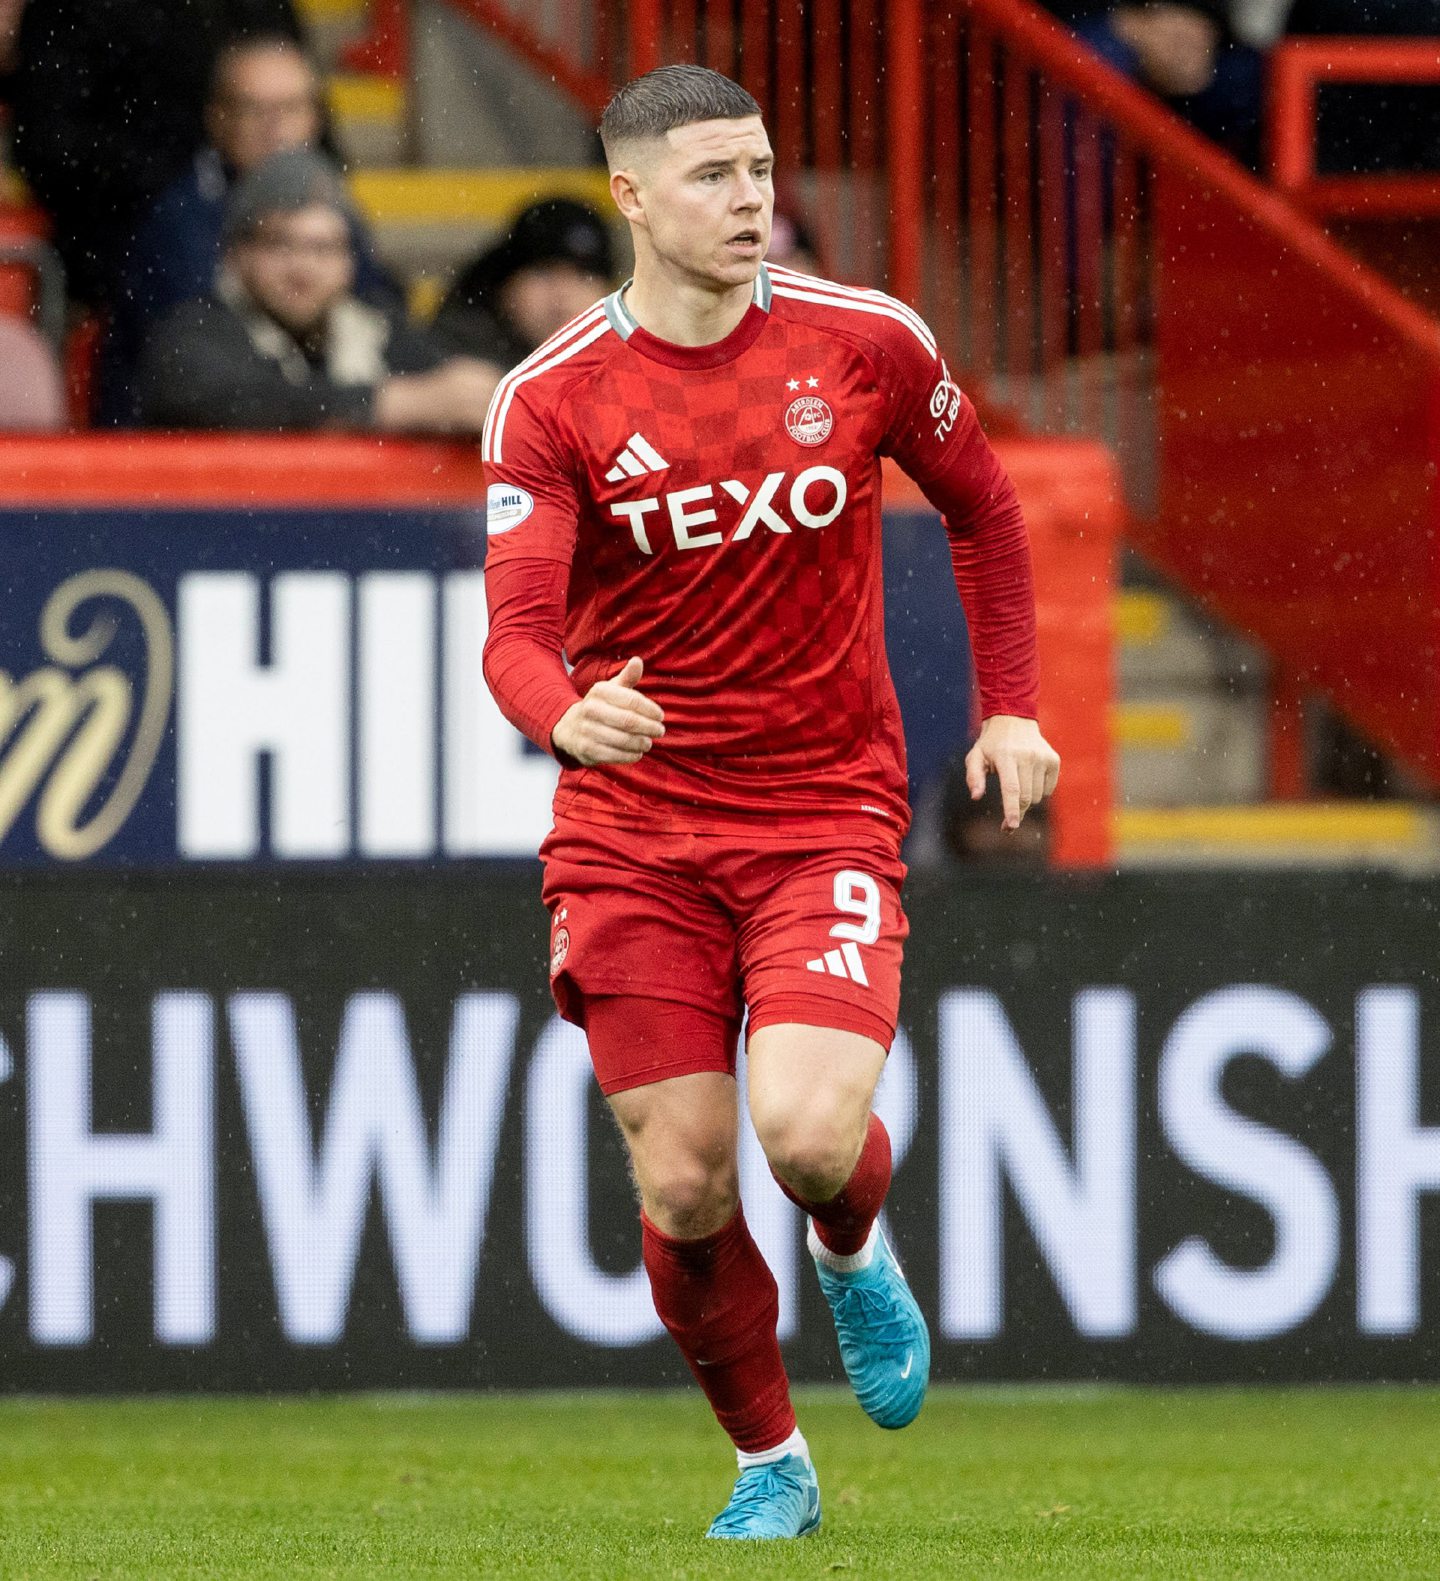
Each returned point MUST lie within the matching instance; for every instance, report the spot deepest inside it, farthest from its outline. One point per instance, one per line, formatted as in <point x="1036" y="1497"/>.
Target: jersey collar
<point x="622" y="321"/>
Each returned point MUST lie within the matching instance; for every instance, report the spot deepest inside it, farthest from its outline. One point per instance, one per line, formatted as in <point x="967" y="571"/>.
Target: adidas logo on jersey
<point x="815" y="498"/>
<point x="637" y="458"/>
<point x="844" y="962"/>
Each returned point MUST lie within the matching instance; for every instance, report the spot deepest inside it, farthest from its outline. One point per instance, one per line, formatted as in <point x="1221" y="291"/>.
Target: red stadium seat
<point x="32" y="393"/>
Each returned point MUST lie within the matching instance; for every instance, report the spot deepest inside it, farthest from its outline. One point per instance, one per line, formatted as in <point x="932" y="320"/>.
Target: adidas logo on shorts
<point x="844" y="962"/>
<point x="637" y="458"/>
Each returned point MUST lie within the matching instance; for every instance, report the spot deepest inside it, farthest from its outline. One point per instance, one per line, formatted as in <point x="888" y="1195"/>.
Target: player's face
<point x="708" y="197"/>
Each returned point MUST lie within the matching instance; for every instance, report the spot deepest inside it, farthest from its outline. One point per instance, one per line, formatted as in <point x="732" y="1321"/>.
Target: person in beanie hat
<point x="265" y="95"/>
<point x="293" y="179"/>
<point x="283" y="343"/>
<point x="555" y="262"/>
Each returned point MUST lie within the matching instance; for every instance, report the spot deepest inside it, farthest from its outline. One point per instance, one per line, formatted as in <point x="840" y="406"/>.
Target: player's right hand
<point x="612" y="723"/>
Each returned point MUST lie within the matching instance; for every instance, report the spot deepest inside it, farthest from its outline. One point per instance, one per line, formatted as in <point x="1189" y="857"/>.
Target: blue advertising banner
<point x="198" y="685"/>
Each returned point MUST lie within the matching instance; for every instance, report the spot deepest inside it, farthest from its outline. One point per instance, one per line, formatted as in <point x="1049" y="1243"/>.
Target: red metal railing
<point x="1275" y="405"/>
<point x="1297" y="69"/>
<point x="578" y="45"/>
<point x="1096" y="267"/>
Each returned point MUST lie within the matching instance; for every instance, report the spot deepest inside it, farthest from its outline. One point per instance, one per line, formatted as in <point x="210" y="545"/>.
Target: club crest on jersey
<point x="559" y="949"/>
<point x="808" y="420"/>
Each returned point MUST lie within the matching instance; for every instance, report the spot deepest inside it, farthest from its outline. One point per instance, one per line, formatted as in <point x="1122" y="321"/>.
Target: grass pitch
<point x="989" y="1483"/>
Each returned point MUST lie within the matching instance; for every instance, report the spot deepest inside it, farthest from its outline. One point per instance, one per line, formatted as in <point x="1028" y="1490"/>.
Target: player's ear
<point x="625" y="189"/>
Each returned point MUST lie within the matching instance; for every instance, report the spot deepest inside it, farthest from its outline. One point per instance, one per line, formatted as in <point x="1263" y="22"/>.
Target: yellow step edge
<point x="1150" y="725"/>
<point x="450" y="197"/>
<point x="1141" y="618"/>
<point x="332" y="10"/>
<point x="356" y="98"/>
<point x="424" y="296"/>
<point x="1317" y="824"/>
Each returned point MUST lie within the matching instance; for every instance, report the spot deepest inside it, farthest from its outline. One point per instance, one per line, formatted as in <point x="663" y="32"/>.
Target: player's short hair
<point x="668" y="97"/>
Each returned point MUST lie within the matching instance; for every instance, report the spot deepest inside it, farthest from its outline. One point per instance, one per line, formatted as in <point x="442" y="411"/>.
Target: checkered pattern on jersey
<point x="745" y="570"/>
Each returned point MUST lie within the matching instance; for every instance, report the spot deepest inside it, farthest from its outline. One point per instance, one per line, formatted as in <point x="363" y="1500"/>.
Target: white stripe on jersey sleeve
<point x="862" y="307"/>
<point x="561" y="335"/>
<point x="576" y="326"/>
<point x="864" y="293"/>
<point x="803" y="288"/>
<point x="501" y="407"/>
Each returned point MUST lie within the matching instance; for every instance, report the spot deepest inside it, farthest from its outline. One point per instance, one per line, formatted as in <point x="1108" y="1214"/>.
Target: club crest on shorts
<point x="559" y="949"/>
<point x="808" y="420"/>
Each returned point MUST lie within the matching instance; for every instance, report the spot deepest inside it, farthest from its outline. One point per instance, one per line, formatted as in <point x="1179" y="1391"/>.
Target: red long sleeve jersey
<point x="715" y="510"/>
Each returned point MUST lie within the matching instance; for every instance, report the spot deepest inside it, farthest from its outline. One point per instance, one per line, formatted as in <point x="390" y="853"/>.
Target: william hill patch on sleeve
<point x="506" y="507"/>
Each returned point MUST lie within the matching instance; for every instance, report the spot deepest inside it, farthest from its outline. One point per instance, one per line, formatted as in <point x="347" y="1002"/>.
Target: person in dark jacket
<point x="283" y="343"/>
<point x="1187" y="52"/>
<point x="264" y="97"/>
<point x="555" y="262"/>
<point x="109" y="98"/>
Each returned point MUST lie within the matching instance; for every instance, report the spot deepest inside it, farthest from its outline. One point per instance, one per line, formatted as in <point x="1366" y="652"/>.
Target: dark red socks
<point x="718" y="1299"/>
<point x="843" y="1223"/>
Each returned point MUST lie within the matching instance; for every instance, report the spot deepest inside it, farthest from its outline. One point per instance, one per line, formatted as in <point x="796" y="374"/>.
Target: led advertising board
<point x="323" y="1129"/>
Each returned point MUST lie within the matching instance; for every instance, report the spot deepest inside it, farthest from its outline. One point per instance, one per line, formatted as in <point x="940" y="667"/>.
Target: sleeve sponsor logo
<point x="506" y="507"/>
<point x="944" y="403"/>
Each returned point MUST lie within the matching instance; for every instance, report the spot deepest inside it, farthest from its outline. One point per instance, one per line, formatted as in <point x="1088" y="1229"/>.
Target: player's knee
<point x="813" y="1155"/>
<point x="690" y="1194"/>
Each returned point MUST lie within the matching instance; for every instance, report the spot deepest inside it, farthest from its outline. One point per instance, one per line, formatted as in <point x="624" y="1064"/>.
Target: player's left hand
<point x="1025" y="763"/>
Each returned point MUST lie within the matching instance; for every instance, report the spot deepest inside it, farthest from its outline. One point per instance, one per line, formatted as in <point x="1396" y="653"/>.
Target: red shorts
<point x="808" y="930"/>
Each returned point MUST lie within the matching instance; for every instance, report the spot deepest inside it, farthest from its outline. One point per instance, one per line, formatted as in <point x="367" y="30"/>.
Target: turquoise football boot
<point x="884" y="1343"/>
<point x="781" y="1499"/>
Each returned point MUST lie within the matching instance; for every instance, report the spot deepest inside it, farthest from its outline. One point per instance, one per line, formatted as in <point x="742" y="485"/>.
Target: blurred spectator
<point x="556" y="261"/>
<point x="264" y="97"/>
<point x="109" y="98"/>
<point x="32" y="394"/>
<point x="1188" y="54"/>
<point x="792" y="243"/>
<point x="1360" y="17"/>
<point x="284" y="344"/>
